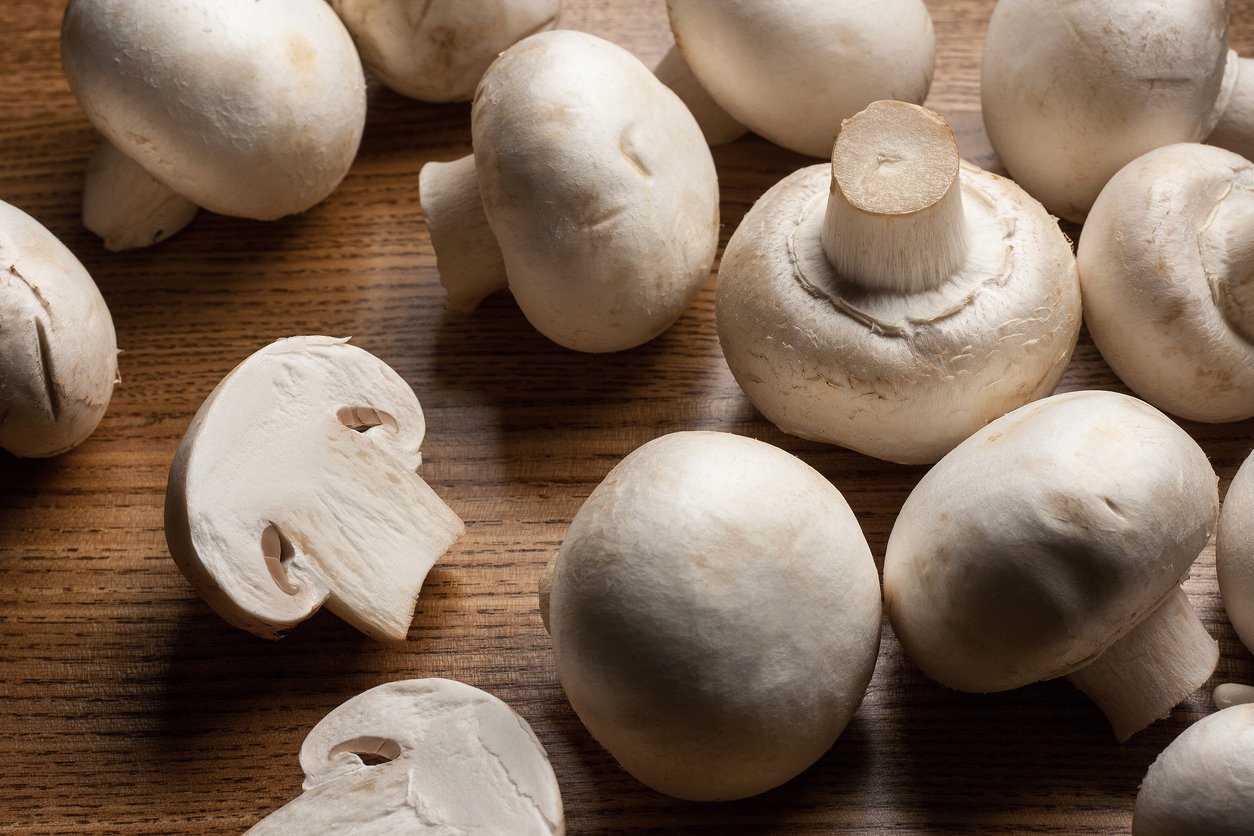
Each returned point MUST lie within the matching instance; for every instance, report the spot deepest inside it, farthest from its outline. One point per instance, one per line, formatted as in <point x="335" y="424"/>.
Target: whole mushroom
<point x="1234" y="552"/>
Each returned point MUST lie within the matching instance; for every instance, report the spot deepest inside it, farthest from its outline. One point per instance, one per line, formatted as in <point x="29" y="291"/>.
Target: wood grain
<point x="127" y="706"/>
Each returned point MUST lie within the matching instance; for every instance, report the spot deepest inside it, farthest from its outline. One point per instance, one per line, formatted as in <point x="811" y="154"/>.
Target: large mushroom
<point x="1234" y="553"/>
<point x="896" y="300"/>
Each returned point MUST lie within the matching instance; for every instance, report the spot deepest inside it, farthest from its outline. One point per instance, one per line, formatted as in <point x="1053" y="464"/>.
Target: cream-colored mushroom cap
<point x="1203" y="783"/>
<point x="1053" y="543"/>
<point x="715" y="614"/>
<point x="245" y="108"/>
<point x="454" y="759"/>
<point x="437" y="50"/>
<point x="295" y="486"/>
<point x="897" y="300"/>
<point x="1167" y="274"/>
<point x="58" y="351"/>
<point x="1234" y="552"/>
<point x="792" y="70"/>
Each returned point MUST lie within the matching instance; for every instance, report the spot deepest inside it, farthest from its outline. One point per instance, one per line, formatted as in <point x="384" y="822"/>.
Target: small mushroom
<point x="1053" y="543"/>
<point x="1203" y="783"/>
<point x="1229" y="694"/>
<point x="596" y="184"/>
<point x="1234" y="552"/>
<point x="58" y="351"/>
<point x="295" y="486"/>
<point x="437" y="50"/>
<point x="1167" y="276"/>
<point x="897" y="300"/>
<point x="715" y="615"/>
<point x="793" y="70"/>
<point x="423" y="756"/>
<point x="243" y="108"/>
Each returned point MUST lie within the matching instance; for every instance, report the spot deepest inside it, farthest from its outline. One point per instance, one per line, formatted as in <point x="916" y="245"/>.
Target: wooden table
<point x="126" y="705"/>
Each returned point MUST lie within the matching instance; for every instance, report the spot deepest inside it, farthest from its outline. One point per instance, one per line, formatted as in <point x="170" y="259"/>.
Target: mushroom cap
<point x="245" y="108"/>
<point x="306" y="454"/>
<point x="1044" y="538"/>
<point x="1161" y="257"/>
<point x="437" y="50"/>
<point x="715" y="614"/>
<point x="599" y="186"/>
<point x="902" y="377"/>
<point x="456" y="760"/>
<point x="58" y="350"/>
<point x="1072" y="90"/>
<point x="1234" y="552"/>
<point x="1203" y="783"/>
<point x="793" y="70"/>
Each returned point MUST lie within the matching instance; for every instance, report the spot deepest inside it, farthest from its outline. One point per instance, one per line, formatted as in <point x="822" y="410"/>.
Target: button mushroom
<point x="423" y="756"/>
<point x="596" y="184"/>
<point x="1234" y="552"/>
<point x="295" y="486"/>
<point x="715" y="615"/>
<point x="793" y="70"/>
<point x="1165" y="271"/>
<point x="243" y="108"/>
<point x="896" y="283"/>
<point x="58" y="351"/>
<point x="1053" y="543"/>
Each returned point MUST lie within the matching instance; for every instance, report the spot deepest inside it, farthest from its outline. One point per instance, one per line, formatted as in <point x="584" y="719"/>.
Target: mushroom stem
<point x="1228" y="255"/>
<point x="467" y="254"/>
<point x="1151" y="669"/>
<point x="1234" y="129"/>
<point x="894" y="217"/>
<point x="1230" y="694"/>
<point x="127" y="206"/>
<point x="718" y="126"/>
<point x="545" y="588"/>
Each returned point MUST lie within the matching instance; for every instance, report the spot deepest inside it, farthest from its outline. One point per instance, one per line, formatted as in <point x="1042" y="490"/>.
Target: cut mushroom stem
<point x="894" y="218"/>
<point x="718" y="126"/>
<point x="1234" y="129"/>
<point x="1230" y="694"/>
<point x="127" y="206"/>
<point x="1227" y="235"/>
<point x="467" y="254"/>
<point x="1152" y="668"/>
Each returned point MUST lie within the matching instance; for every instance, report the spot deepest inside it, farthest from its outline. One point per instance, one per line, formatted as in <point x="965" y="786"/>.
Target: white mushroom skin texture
<point x="1053" y="543"/>
<point x="245" y="108"/>
<point x="1167" y="276"/>
<point x="437" y="50"/>
<point x="1203" y="783"/>
<point x="792" y="70"/>
<point x="715" y="615"/>
<point x="1234" y="552"/>
<point x="295" y="486"/>
<point x="58" y="350"/>
<point x="717" y="124"/>
<point x="454" y="760"/>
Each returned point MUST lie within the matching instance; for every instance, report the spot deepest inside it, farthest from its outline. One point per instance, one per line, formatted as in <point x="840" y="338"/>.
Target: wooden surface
<point x="126" y="705"/>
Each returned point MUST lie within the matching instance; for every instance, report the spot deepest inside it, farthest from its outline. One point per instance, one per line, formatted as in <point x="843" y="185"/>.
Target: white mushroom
<point x="295" y="486"/>
<point x="243" y="108"/>
<point x="1229" y="694"/>
<point x="598" y="185"/>
<point x="128" y="207"/>
<point x="1053" y="543"/>
<point x="58" y="351"/>
<point x="1203" y="783"/>
<point x="793" y="70"/>
<point x="896" y="301"/>
<point x="715" y="614"/>
<point x="1167" y="276"/>
<point x="1073" y="90"/>
<point x="1234" y="552"/>
<point x="422" y="756"/>
<point x="437" y="50"/>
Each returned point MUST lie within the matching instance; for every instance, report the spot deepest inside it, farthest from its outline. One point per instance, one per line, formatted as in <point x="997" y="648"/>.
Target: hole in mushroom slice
<point x="1234" y="552"/>
<point x="1053" y="543"/>
<point x="277" y="504"/>
<point x="897" y="300"/>
<point x="423" y="755"/>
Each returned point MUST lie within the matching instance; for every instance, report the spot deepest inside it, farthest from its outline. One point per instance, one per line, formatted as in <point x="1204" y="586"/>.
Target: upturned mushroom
<point x="422" y="756"/>
<point x="1167" y="276"/>
<point x="591" y="194"/>
<point x="899" y="299"/>
<point x="243" y="108"/>
<point x="793" y="70"/>
<point x="437" y="50"/>
<point x="715" y="615"/>
<point x="295" y="486"/>
<point x="1203" y="783"/>
<point x="1053" y="543"/>
<point x="58" y="350"/>
<point x="1234" y="552"/>
<point x="1073" y="90"/>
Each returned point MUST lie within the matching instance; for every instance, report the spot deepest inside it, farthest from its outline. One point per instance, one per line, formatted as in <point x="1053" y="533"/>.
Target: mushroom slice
<point x="295" y="485"/>
<point x="423" y="756"/>
<point x="1234" y="552"/>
